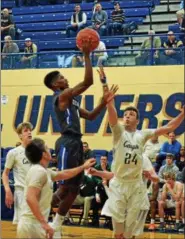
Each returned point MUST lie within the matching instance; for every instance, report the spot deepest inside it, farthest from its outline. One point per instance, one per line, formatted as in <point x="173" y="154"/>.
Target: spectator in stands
<point x="118" y="24"/>
<point x="7" y="25"/>
<point x="180" y="13"/>
<point x="171" y="196"/>
<point x="30" y="50"/>
<point x="78" y="21"/>
<point x="153" y="205"/>
<point x="100" y="196"/>
<point x="87" y="152"/>
<point x="173" y="54"/>
<point x="171" y="146"/>
<point x="180" y="162"/>
<point x="152" y="148"/>
<point x="144" y="57"/>
<point x="102" y="55"/>
<point x="9" y="48"/>
<point x="168" y="167"/>
<point x="99" y="20"/>
<point x="78" y="61"/>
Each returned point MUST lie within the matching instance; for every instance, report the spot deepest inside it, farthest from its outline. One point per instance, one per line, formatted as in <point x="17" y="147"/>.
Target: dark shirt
<point x="69" y="119"/>
<point x="88" y="186"/>
<point x="99" y="168"/>
<point x="118" y="16"/>
<point x="88" y="154"/>
<point x="180" y="164"/>
<point x="174" y="44"/>
<point x="6" y="21"/>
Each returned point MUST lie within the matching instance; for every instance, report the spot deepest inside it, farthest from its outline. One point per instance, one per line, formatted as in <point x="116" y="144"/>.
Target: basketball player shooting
<point x="69" y="149"/>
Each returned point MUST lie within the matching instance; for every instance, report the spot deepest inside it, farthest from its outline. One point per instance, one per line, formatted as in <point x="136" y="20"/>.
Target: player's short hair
<point x="24" y="125"/>
<point x="170" y="175"/>
<point x="86" y="143"/>
<point x="34" y="150"/>
<point x="169" y="155"/>
<point x="132" y="108"/>
<point x="50" y="77"/>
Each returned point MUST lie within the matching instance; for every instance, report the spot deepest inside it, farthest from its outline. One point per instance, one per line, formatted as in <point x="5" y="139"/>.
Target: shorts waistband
<point x="121" y="180"/>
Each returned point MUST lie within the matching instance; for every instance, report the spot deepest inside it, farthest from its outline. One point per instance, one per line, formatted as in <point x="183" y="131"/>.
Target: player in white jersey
<point x="39" y="189"/>
<point x="127" y="188"/>
<point x="17" y="161"/>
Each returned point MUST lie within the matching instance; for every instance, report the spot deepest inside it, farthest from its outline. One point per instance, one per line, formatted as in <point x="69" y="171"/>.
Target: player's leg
<point x="18" y="199"/>
<point x="177" y="215"/>
<point x="69" y="156"/>
<point x="161" y="207"/>
<point x="118" y="229"/>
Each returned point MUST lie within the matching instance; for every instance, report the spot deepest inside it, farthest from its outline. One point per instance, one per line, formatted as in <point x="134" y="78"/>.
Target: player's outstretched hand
<point x="92" y="171"/>
<point x="89" y="163"/>
<point x="9" y="199"/>
<point x="48" y="229"/>
<point x="110" y="94"/>
<point x="86" y="46"/>
<point x="101" y="74"/>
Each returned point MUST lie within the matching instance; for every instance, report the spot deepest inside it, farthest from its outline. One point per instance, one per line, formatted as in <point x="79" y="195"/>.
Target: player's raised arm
<point x="172" y="125"/>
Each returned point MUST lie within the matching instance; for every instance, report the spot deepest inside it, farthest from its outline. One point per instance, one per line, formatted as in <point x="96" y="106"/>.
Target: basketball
<point x="85" y="34"/>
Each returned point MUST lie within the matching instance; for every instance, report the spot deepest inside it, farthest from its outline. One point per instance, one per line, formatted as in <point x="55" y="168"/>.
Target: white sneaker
<point x="57" y="229"/>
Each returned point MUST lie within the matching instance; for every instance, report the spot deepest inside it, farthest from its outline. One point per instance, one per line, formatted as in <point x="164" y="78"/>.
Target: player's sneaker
<point x="161" y="226"/>
<point x="177" y="227"/>
<point x="152" y="227"/>
<point x="57" y="229"/>
<point x="182" y="228"/>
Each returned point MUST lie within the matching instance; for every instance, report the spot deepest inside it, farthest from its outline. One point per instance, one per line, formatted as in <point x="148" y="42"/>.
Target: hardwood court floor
<point x="9" y="231"/>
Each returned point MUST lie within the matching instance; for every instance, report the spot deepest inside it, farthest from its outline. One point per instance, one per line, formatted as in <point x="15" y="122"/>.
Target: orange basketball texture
<point x="86" y="34"/>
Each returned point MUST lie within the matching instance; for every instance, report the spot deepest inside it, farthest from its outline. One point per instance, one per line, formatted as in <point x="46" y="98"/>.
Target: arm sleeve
<point x="38" y="179"/>
<point x="147" y="165"/>
<point x="53" y="174"/>
<point x="117" y="131"/>
<point x="10" y="160"/>
<point x="161" y="175"/>
<point x="146" y="134"/>
<point x="163" y="148"/>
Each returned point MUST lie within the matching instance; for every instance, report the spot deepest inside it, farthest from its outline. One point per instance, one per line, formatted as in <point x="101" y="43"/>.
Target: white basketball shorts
<point x="18" y="200"/>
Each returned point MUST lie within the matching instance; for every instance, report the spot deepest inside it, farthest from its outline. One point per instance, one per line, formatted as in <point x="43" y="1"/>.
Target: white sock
<point x="183" y="220"/>
<point x="177" y="221"/>
<point x="161" y="219"/>
<point x="58" y="219"/>
<point x="152" y="221"/>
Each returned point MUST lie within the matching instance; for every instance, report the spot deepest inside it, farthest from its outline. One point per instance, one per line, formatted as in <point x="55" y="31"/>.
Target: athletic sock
<point x="58" y="219"/>
<point x="183" y="220"/>
<point x="152" y="221"/>
<point x="161" y="219"/>
<point x="177" y="221"/>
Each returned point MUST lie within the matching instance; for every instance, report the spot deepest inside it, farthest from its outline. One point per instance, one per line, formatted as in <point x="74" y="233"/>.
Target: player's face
<point x="26" y="135"/>
<point x="130" y="118"/>
<point x="61" y="83"/>
<point x="172" y="136"/>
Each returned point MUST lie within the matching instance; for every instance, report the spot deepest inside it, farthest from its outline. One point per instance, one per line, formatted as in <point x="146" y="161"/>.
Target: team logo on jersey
<point x="130" y="146"/>
<point x="25" y="161"/>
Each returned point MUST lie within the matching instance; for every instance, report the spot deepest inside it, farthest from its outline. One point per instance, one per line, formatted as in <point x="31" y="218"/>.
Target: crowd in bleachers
<point x="168" y="159"/>
<point x="54" y="27"/>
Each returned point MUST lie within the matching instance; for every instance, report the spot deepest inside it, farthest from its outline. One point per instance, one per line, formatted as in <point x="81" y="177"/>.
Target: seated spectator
<point x="173" y="54"/>
<point x="152" y="148"/>
<point x="78" y="21"/>
<point x="85" y="197"/>
<point x="172" y="146"/>
<point x="78" y="61"/>
<point x="102" y="56"/>
<point x="168" y="167"/>
<point x="8" y="61"/>
<point x="180" y="162"/>
<point x="87" y="152"/>
<point x="118" y="24"/>
<point x="180" y="12"/>
<point x="171" y="195"/>
<point x="101" y="195"/>
<point x="7" y="25"/>
<point x="30" y="50"/>
<point x="144" y="57"/>
<point x="99" y="20"/>
<point x="182" y="226"/>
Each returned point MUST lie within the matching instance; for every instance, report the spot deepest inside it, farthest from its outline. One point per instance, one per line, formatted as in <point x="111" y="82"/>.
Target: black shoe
<point x="177" y="226"/>
<point x="161" y="226"/>
<point x="182" y="227"/>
